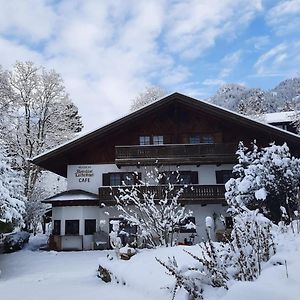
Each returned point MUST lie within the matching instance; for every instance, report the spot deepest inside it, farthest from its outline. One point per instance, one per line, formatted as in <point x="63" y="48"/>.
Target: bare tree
<point x="150" y="94"/>
<point x="157" y="213"/>
<point x="37" y="115"/>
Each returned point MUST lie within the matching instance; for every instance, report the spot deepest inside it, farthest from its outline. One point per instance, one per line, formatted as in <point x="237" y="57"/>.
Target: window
<point x="181" y="177"/>
<point x="56" y="227"/>
<point x="89" y="226"/>
<point x="72" y="227"/>
<point x="208" y="139"/>
<point x="194" y="139"/>
<point x="158" y="140"/>
<point x="120" y="178"/>
<point x="188" y="225"/>
<point x="223" y="176"/>
<point x="145" y="140"/>
<point x="204" y="139"/>
<point x="115" y="179"/>
<point x="151" y="140"/>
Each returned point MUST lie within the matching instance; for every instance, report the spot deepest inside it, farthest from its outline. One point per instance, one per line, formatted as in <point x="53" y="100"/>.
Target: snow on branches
<point x="241" y="258"/>
<point x="267" y="178"/>
<point x="11" y="188"/>
<point x="156" y="212"/>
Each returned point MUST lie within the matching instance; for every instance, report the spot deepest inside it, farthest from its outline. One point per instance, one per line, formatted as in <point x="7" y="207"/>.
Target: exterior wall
<point x="89" y="178"/>
<point x="85" y="242"/>
<point x="80" y="213"/>
<point x="201" y="212"/>
<point x="92" y="179"/>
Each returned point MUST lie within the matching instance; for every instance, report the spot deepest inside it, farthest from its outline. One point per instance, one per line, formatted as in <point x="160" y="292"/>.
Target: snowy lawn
<point x="34" y="275"/>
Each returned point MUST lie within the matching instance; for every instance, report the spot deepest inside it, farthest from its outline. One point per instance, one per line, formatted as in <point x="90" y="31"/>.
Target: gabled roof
<point x="193" y="103"/>
<point x="71" y="195"/>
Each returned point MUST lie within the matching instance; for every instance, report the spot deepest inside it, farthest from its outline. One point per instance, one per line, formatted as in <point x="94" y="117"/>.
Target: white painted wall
<point x="206" y="174"/>
<point x="82" y="213"/>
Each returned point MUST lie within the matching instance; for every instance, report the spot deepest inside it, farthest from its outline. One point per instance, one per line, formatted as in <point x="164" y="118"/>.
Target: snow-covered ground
<point x="34" y="275"/>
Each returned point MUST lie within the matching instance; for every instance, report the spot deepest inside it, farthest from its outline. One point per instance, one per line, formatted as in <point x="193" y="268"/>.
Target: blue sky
<point x="109" y="51"/>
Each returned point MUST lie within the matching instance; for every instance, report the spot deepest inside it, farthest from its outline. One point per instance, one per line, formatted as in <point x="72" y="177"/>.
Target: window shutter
<point x="194" y="177"/>
<point x="105" y="179"/>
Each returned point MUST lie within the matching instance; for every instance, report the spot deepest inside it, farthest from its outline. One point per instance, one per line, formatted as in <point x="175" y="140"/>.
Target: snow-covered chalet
<point x="173" y="133"/>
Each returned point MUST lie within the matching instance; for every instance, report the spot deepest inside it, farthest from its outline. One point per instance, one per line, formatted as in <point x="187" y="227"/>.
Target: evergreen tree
<point x="268" y="178"/>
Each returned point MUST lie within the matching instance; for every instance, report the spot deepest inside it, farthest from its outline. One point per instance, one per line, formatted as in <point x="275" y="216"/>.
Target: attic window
<point x="194" y="139"/>
<point x="158" y="140"/>
<point x="145" y="140"/>
<point x="208" y="139"/>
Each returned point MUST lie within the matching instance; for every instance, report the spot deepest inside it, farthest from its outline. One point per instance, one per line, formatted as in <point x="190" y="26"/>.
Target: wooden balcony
<point x="191" y="194"/>
<point x="176" y="154"/>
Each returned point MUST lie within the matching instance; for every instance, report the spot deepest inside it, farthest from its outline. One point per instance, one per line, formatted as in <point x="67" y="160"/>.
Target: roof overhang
<point x="44" y="160"/>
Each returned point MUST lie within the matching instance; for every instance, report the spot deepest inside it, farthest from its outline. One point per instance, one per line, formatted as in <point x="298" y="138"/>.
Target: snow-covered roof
<point x="279" y="117"/>
<point x="71" y="195"/>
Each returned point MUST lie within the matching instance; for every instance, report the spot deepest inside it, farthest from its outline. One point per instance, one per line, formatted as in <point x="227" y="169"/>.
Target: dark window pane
<point x="115" y="179"/>
<point x="72" y="227"/>
<point x="223" y="176"/>
<point x="56" y="227"/>
<point x="181" y="177"/>
<point x="89" y="226"/>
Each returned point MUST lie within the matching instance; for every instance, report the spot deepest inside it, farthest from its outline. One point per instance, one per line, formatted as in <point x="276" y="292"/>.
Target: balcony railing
<point x="179" y="153"/>
<point x="192" y="193"/>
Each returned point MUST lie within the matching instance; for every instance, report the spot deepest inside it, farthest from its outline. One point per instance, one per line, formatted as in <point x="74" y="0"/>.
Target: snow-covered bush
<point x="241" y="258"/>
<point x="267" y="179"/>
<point x="158" y="215"/>
<point x="251" y="244"/>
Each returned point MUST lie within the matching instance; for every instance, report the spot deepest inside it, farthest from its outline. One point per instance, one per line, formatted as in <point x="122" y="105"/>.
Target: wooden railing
<point x="191" y="193"/>
<point x="174" y="153"/>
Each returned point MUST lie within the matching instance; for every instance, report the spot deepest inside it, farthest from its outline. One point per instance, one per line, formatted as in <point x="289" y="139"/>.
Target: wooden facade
<point x="191" y="194"/>
<point x="175" y="117"/>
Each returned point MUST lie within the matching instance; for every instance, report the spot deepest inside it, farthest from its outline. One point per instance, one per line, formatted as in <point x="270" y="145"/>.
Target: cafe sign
<point x="84" y="173"/>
